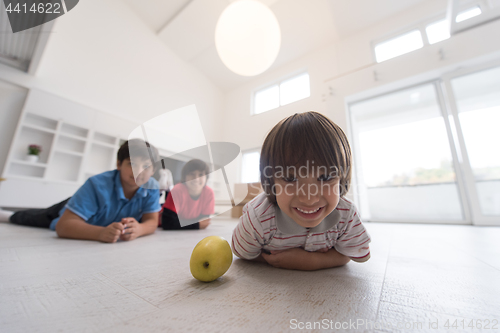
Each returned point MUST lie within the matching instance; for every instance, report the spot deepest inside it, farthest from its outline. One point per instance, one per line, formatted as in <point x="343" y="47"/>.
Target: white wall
<point x="102" y="55"/>
<point x="348" y="69"/>
<point x="11" y="103"/>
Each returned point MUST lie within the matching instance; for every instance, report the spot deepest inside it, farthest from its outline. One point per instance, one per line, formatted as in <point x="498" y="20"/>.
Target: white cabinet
<point x="77" y="142"/>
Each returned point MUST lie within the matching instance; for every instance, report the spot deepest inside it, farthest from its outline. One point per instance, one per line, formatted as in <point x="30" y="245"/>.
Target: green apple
<point x="211" y="258"/>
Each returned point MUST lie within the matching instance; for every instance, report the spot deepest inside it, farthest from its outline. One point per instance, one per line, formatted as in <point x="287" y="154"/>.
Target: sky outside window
<point x="398" y="46"/>
<point x="467" y="14"/>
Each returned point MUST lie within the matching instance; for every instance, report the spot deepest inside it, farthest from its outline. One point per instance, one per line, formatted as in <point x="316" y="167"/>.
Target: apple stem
<point x="205" y="264"/>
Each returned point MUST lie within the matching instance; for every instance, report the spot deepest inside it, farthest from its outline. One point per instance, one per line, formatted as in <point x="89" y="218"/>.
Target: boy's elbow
<point x="61" y="230"/>
<point x="345" y="261"/>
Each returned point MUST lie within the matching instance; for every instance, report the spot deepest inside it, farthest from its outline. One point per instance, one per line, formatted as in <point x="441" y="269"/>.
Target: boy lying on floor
<point x="109" y="205"/>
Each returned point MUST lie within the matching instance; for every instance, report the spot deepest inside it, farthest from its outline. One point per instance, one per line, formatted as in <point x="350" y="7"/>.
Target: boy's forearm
<point x="259" y="259"/>
<point x="329" y="259"/>
<point x="75" y="229"/>
<point x="299" y="259"/>
<point x="148" y="226"/>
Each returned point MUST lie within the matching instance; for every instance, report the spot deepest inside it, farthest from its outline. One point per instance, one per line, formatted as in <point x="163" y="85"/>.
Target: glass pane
<point x="467" y="14"/>
<point x="478" y="101"/>
<point x="294" y="89"/>
<point x="437" y="31"/>
<point x="267" y="99"/>
<point x="250" y="170"/>
<point x="398" y="46"/>
<point x="404" y="160"/>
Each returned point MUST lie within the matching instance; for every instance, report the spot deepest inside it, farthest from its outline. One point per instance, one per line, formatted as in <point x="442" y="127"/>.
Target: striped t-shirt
<point x="264" y="226"/>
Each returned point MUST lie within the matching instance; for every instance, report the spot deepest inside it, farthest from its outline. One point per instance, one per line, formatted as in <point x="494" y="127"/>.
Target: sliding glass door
<point x="429" y="153"/>
<point x="475" y="107"/>
<point x="405" y="165"/>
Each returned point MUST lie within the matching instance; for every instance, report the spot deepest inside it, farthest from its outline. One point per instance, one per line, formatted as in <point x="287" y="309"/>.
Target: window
<point x="267" y="99"/>
<point x="478" y="103"/>
<point x="428" y="153"/>
<point x="467" y="14"/>
<point x="250" y="167"/>
<point x="404" y="157"/>
<point x="294" y="89"/>
<point x="400" y="45"/>
<point x="283" y="93"/>
<point x="440" y="30"/>
<point x="437" y="31"/>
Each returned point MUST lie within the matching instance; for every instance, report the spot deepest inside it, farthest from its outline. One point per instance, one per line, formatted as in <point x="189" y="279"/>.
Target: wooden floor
<point x="418" y="275"/>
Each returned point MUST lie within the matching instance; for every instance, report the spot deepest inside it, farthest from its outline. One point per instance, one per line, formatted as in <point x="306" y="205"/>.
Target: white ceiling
<point x="188" y="27"/>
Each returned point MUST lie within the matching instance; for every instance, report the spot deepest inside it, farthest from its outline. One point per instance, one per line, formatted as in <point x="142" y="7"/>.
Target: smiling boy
<point x="118" y="204"/>
<point x="302" y="221"/>
<point x="191" y="202"/>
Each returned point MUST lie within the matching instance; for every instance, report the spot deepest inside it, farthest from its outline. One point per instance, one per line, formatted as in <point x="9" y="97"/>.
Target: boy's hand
<point x="295" y="258"/>
<point x="111" y="233"/>
<point x="131" y="229"/>
<point x="204" y="223"/>
<point x="300" y="259"/>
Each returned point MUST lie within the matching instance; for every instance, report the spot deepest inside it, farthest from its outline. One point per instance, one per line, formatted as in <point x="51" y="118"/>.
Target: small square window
<point x="467" y="14"/>
<point x="398" y="46"/>
<point x="437" y="31"/>
<point x="267" y="99"/>
<point x="294" y="89"/>
<point x="250" y="172"/>
<point x="283" y="93"/>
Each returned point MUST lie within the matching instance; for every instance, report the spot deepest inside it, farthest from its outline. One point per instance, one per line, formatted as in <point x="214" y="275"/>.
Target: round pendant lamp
<point x="247" y="37"/>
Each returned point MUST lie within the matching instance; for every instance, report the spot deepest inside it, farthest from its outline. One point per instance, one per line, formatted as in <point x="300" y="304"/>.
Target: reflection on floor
<point x="419" y="276"/>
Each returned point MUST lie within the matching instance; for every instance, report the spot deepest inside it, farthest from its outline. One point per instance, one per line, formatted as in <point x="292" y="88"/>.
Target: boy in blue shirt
<point x="109" y="205"/>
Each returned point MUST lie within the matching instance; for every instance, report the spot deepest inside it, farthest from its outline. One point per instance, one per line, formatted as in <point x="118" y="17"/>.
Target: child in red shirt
<point x="191" y="202"/>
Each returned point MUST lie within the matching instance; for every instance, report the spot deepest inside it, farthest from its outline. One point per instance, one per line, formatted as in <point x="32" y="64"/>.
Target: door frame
<point x="478" y="218"/>
<point x="446" y="101"/>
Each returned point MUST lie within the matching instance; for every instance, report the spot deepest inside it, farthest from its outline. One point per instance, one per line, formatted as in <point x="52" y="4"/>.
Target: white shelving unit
<point x="102" y="153"/>
<point x="77" y="142"/>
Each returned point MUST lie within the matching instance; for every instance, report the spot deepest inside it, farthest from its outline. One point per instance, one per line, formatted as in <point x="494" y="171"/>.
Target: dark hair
<point x="138" y="148"/>
<point x="194" y="165"/>
<point x="303" y="137"/>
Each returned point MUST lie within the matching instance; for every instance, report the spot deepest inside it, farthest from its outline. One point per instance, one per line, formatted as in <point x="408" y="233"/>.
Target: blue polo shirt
<point x="100" y="201"/>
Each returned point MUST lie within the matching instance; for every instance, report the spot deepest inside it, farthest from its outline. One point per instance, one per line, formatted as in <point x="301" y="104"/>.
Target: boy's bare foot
<point x="5" y="215"/>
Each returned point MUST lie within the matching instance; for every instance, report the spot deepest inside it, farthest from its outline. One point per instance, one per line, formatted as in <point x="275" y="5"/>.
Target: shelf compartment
<point x="39" y="121"/>
<point x="104" y="138"/>
<point x="74" y="130"/>
<point x="65" y="135"/>
<point x="64" y="167"/>
<point x="69" y="152"/>
<point x="38" y="128"/>
<point x="29" y="136"/>
<point x="38" y="164"/>
<point x="69" y="144"/>
<point x="100" y="158"/>
<point x="104" y="144"/>
<point x="26" y="169"/>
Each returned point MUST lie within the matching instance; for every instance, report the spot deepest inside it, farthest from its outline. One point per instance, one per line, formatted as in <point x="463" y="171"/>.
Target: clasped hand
<point x="127" y="229"/>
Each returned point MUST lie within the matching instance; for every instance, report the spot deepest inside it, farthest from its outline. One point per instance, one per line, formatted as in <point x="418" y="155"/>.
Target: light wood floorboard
<point x="418" y="274"/>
